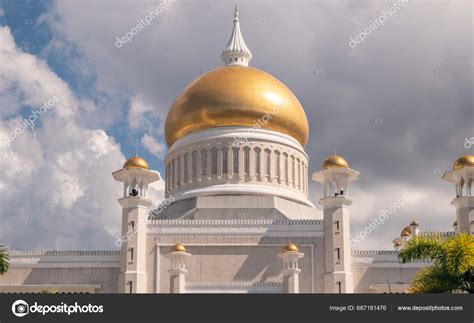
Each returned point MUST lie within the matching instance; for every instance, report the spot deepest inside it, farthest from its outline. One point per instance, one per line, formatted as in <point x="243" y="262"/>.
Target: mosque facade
<point x="236" y="217"/>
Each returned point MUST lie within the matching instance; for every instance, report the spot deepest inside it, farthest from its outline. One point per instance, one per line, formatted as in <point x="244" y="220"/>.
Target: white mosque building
<point x="236" y="216"/>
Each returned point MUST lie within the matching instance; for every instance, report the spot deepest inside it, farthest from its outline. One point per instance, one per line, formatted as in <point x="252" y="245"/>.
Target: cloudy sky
<point x="397" y="106"/>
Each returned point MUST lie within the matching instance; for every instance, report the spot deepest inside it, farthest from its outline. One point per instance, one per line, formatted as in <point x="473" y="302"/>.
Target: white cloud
<point x="26" y="75"/>
<point x="433" y="109"/>
<point x="153" y="146"/>
<point x="136" y="114"/>
<point x="55" y="182"/>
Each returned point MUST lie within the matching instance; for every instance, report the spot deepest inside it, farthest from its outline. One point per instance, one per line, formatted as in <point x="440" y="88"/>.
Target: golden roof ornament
<point x="464" y="161"/>
<point x="136" y="162"/>
<point x="335" y="161"/>
<point x="290" y="247"/>
<point x="179" y="247"/>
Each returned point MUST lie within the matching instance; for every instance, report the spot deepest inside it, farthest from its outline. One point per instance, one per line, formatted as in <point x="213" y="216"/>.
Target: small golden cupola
<point x="406" y="232"/>
<point x="136" y="162"/>
<point x="290" y="247"/>
<point x="464" y="161"/>
<point x="335" y="161"/>
<point x="179" y="247"/>
<point x="414" y="223"/>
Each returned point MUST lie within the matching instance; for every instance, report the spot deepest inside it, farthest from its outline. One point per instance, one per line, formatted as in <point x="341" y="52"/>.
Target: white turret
<point x="236" y="51"/>
<point x="291" y="270"/>
<point x="178" y="256"/>
<point x="335" y="177"/>
<point x="135" y="176"/>
<point x="462" y="176"/>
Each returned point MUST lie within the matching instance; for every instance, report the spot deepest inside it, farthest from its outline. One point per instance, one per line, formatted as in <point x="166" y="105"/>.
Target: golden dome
<point x="136" y="162"/>
<point x="464" y="161"/>
<point x="335" y="161"/>
<point x="397" y="244"/>
<point x="179" y="247"/>
<point x="291" y="247"/>
<point x="405" y="232"/>
<point x="414" y="222"/>
<point x="236" y="96"/>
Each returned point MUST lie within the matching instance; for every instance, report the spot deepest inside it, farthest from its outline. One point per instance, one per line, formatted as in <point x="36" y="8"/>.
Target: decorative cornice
<point x="234" y="284"/>
<point x="234" y="227"/>
<point x="17" y="253"/>
<point x="374" y="252"/>
<point x="381" y="259"/>
<point x="441" y="234"/>
<point x="235" y="222"/>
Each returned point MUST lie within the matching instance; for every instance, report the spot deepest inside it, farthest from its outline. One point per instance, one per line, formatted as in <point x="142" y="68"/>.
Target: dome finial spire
<point x="236" y="51"/>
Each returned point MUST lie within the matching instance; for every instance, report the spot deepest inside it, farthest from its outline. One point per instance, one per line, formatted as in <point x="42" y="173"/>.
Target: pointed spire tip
<point x="236" y="51"/>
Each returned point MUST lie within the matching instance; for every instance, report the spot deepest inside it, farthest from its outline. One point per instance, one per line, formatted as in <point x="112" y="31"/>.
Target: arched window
<point x="171" y="173"/>
<point x="214" y="161"/>
<point x="298" y="176"/>
<point x="292" y="169"/>
<point x="204" y="162"/>
<point x="246" y="160"/>
<point x="257" y="161"/>
<point x="276" y="165"/>
<point x="268" y="162"/>
<point x="235" y="160"/>
<point x="224" y="160"/>
<point x="175" y="172"/>
<point x="168" y="176"/>
<point x="178" y="160"/>
<point x="305" y="177"/>
<point x="285" y="167"/>
<point x="195" y="164"/>
<point x="186" y="163"/>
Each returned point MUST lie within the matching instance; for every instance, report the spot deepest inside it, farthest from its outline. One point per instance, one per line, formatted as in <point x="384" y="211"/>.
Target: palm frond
<point x="423" y="248"/>
<point x="3" y="260"/>
<point x="460" y="254"/>
<point x="435" y="279"/>
<point x="452" y="266"/>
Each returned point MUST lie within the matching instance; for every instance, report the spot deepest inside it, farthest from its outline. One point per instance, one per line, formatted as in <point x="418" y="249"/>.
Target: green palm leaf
<point x="452" y="266"/>
<point x="434" y="279"/>
<point x="422" y="248"/>
<point x="460" y="254"/>
<point x="3" y="260"/>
